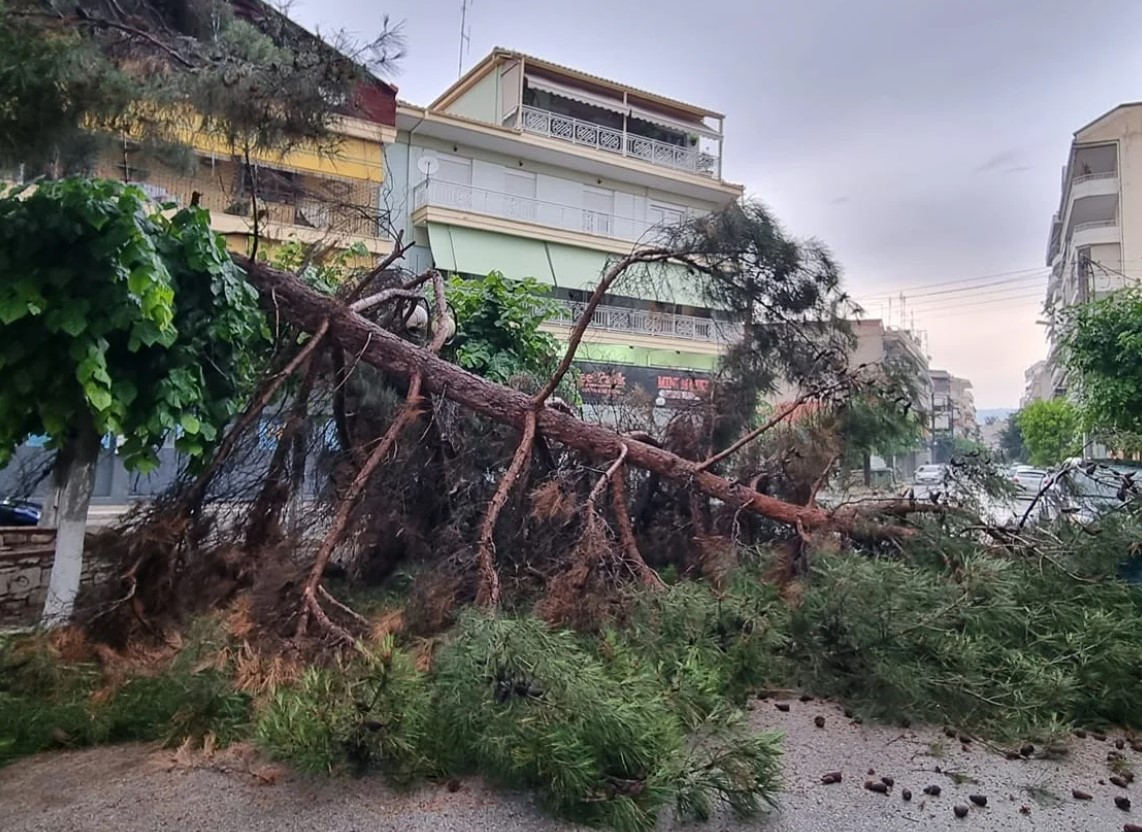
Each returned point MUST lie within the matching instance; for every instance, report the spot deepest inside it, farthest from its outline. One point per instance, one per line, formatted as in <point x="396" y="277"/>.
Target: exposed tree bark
<point x="393" y="355"/>
<point x="488" y="590"/>
<point x="631" y="554"/>
<point x="78" y="480"/>
<point x="346" y="504"/>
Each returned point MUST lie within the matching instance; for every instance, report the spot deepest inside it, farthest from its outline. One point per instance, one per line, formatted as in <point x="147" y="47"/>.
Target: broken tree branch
<point x="631" y="554"/>
<point x="307" y="308"/>
<point x="348" y="501"/>
<point x="779" y="417"/>
<point x="488" y="593"/>
<point x="643" y="256"/>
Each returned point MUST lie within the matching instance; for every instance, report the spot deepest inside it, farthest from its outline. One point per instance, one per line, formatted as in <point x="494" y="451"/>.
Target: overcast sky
<point x="922" y="140"/>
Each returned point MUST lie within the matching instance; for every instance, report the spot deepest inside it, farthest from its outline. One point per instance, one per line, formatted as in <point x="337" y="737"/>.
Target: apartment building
<point x="329" y="194"/>
<point x="539" y="170"/>
<point x="1037" y="384"/>
<point x="1095" y="241"/>
<point x="877" y="344"/>
<point x="953" y="406"/>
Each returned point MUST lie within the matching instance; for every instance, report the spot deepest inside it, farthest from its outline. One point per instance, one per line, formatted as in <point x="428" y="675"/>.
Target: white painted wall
<point x="479" y="101"/>
<point x="557" y="186"/>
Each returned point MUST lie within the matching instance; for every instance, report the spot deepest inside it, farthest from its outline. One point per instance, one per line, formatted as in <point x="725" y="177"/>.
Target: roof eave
<point x="499" y="54"/>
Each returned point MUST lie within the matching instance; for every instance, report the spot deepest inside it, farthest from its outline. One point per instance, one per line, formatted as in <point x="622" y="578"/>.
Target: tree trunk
<point x="309" y="310"/>
<point x="77" y="477"/>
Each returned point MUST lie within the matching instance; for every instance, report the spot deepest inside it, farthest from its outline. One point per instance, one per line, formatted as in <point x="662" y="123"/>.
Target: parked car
<point x="931" y="474"/>
<point x="19" y="512"/>
<point x="1083" y="492"/>
<point x="1027" y="478"/>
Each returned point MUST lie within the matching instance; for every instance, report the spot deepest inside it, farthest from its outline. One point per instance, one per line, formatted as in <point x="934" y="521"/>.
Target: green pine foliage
<point x="1008" y="645"/>
<point x="598" y="736"/>
<point x="707" y="647"/>
<point x="528" y="706"/>
<point x="368" y="714"/>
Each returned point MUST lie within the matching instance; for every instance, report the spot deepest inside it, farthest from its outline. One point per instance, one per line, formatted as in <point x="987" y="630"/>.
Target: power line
<point x="969" y="308"/>
<point x="993" y="295"/>
<point x="982" y="277"/>
<point x="934" y="303"/>
<point x="962" y="289"/>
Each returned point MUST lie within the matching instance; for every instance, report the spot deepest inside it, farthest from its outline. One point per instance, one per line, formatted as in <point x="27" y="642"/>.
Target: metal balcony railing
<point x="527" y="209"/>
<point x="587" y="134"/>
<point x="326" y="203"/>
<point x="647" y="322"/>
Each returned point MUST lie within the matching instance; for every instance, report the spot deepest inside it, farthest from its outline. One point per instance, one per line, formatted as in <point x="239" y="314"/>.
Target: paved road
<point x="137" y="789"/>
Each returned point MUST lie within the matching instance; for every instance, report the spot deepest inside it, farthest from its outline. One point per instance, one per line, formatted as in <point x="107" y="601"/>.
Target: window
<point x="519" y="194"/>
<point x="598" y="211"/>
<point x="453" y="186"/>
<point x="273" y="185"/>
<point x="665" y="214"/>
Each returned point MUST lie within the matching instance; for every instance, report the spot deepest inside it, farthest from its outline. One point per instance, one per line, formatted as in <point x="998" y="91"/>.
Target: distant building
<point x="1095" y="241"/>
<point x="1037" y="384"/>
<point x="878" y="344"/>
<point x="953" y="407"/>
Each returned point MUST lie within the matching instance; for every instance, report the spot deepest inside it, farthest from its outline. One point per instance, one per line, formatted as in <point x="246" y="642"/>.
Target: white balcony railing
<point x="647" y="322"/>
<point x="526" y="209"/>
<point x="587" y="134"/>
<point x="1087" y="226"/>
<point x="1090" y="177"/>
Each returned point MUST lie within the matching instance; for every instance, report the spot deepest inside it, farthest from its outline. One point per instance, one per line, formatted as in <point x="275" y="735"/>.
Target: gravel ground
<point x="138" y="789"/>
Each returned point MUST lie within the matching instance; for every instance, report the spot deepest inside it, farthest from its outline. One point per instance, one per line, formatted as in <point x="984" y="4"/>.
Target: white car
<point x="931" y="474"/>
<point x="1027" y="478"/>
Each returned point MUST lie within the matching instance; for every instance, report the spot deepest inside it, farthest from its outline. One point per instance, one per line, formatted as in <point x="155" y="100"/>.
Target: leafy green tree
<point x="1051" y="431"/>
<point x="1103" y="349"/>
<point x="1011" y="440"/>
<point x="498" y="333"/>
<point x="115" y="320"/>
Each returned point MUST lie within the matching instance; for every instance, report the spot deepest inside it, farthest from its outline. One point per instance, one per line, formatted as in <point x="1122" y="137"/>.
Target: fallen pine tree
<point x="356" y="342"/>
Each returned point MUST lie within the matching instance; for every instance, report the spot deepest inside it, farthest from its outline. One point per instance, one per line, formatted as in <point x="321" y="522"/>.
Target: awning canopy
<point x="467" y="251"/>
<point x="576" y="268"/>
<point x="686" y="127"/>
<point x="583" y="97"/>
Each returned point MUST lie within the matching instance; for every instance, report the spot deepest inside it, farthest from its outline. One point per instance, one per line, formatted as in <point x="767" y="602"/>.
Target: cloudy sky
<point x="922" y="140"/>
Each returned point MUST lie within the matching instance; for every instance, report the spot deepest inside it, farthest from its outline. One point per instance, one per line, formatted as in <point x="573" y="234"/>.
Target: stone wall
<point x="26" y="556"/>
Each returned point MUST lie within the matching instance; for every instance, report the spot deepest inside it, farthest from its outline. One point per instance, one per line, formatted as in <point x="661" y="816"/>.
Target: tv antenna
<point x="428" y="165"/>
<point x="465" y="35"/>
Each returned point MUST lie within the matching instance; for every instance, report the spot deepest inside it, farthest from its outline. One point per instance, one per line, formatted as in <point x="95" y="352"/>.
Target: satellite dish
<point x="428" y="165"/>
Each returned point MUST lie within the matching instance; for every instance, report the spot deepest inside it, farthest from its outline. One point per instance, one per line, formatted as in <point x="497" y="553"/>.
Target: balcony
<point x="609" y="140"/>
<point x="439" y="194"/>
<point x="1101" y="183"/>
<point x="1094" y="233"/>
<point x="647" y="322"/>
<point x="290" y="203"/>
